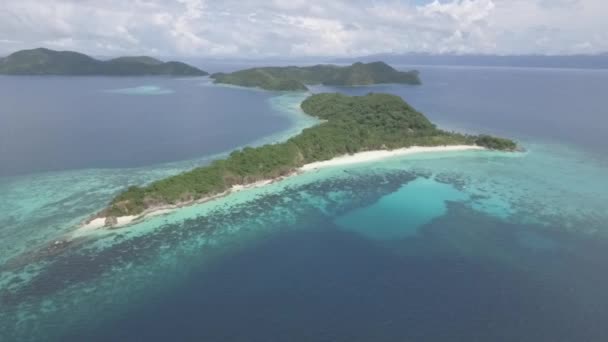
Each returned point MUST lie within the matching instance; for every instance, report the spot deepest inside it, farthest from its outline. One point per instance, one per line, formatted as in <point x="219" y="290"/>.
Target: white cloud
<point x="305" y="27"/>
<point x="465" y="12"/>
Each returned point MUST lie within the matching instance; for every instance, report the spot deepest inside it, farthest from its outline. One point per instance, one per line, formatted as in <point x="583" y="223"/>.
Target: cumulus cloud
<point x="258" y="28"/>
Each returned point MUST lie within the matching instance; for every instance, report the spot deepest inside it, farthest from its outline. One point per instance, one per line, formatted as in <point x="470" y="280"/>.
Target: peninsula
<point x="293" y="78"/>
<point x="350" y="125"/>
<point x="43" y="61"/>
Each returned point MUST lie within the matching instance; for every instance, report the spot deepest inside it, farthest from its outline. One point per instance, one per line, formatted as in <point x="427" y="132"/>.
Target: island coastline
<point x="351" y="129"/>
<point x="96" y="223"/>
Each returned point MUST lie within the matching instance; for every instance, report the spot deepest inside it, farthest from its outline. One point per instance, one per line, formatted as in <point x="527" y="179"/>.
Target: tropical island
<point x="374" y="123"/>
<point x="293" y="78"/>
<point x="43" y="61"/>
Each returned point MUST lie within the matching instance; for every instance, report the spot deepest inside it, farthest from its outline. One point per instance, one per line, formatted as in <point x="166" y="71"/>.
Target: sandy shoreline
<point x="369" y="156"/>
<point x="361" y="157"/>
<point x="122" y="221"/>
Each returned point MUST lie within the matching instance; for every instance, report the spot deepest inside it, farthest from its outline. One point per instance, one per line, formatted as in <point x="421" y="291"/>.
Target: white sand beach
<point x="368" y="156"/>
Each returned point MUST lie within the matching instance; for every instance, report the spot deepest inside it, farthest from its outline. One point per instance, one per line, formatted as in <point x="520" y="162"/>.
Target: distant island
<point x="43" y="61"/>
<point x="293" y="78"/>
<point x="351" y="125"/>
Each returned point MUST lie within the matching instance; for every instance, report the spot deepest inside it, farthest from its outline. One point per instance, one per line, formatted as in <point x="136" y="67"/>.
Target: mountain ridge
<point x="294" y="78"/>
<point x="43" y="61"/>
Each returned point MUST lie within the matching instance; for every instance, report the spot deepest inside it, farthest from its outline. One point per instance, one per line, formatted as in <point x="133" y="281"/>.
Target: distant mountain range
<point x="293" y="78"/>
<point x="43" y="61"/>
<point x="599" y="61"/>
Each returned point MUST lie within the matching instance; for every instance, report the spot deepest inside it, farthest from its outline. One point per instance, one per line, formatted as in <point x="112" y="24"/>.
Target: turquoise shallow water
<point x="60" y="291"/>
<point x="424" y="199"/>
<point x="63" y="199"/>
<point x="454" y="246"/>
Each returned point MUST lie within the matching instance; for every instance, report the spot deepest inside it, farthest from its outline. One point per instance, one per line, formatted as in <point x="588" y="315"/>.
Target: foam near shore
<point x="361" y="157"/>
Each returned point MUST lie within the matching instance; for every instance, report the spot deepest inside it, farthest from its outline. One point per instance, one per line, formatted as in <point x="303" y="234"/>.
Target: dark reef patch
<point x="67" y="266"/>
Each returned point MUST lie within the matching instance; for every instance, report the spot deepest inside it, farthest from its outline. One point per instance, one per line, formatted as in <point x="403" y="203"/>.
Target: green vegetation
<point x="495" y="143"/>
<point x="261" y="78"/>
<point x="137" y="59"/>
<point x="49" y="62"/>
<point x="350" y="124"/>
<point x="294" y="78"/>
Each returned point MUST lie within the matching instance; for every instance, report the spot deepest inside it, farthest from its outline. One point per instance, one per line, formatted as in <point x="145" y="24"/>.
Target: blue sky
<point x="263" y="28"/>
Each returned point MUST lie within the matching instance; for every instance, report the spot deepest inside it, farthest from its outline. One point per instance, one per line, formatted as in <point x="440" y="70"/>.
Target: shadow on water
<point x="465" y="277"/>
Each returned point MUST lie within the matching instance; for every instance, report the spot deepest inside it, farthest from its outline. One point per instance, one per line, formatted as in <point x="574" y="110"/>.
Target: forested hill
<point x="293" y="78"/>
<point x="43" y="61"/>
<point x="350" y="125"/>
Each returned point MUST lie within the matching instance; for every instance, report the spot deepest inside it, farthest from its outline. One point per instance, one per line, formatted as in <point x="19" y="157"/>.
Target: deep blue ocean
<point x="454" y="246"/>
<point x="58" y="123"/>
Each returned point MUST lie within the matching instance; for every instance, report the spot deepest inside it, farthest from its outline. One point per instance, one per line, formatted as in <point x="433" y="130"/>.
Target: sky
<point x="297" y="28"/>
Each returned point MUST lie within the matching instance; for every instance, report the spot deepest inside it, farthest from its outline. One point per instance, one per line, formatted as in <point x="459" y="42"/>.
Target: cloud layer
<point x="258" y="28"/>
